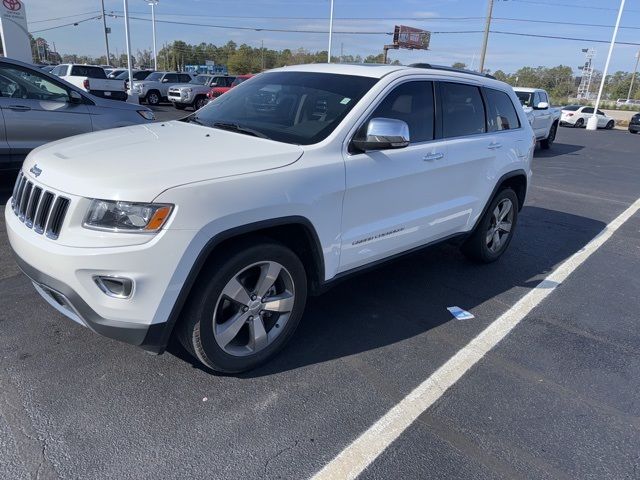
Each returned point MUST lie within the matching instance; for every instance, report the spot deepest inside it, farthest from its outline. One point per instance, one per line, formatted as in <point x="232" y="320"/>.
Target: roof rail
<point x="450" y="69"/>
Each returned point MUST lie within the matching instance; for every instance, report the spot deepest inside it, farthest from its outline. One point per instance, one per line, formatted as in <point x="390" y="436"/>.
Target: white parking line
<point x="367" y="447"/>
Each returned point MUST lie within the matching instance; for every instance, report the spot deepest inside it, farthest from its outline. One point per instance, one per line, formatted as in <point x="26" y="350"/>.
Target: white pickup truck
<point x="543" y="118"/>
<point x="92" y="79"/>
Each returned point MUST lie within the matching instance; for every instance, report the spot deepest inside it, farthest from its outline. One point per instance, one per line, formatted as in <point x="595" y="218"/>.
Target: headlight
<point x="188" y="90"/>
<point x="147" y="114"/>
<point x="126" y="216"/>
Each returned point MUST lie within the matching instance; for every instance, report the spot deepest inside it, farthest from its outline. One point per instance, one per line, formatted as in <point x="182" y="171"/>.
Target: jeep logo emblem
<point x="36" y="171"/>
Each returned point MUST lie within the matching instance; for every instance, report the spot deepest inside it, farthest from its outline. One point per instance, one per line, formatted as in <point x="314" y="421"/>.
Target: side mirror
<point x="165" y="80"/>
<point x="384" y="134"/>
<point x="75" y="97"/>
<point x="542" y="106"/>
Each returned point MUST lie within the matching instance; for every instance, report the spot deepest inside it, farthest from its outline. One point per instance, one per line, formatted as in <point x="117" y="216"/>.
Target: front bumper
<point x="64" y="276"/>
<point x="180" y="97"/>
<point x="63" y="298"/>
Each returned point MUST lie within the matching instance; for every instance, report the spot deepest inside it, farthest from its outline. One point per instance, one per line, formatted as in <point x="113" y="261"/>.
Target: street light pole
<point x="106" y="35"/>
<point x="153" y="4"/>
<point x="330" y="33"/>
<point x="633" y="77"/>
<point x="592" y="123"/>
<point x="132" y="98"/>
<point x="485" y="40"/>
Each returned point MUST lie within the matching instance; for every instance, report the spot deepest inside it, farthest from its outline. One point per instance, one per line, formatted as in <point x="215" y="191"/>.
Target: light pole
<point x="330" y="33"/>
<point x="633" y="77"/>
<point x="485" y="39"/>
<point x="106" y="34"/>
<point x="153" y="4"/>
<point x="132" y="97"/>
<point x="592" y="123"/>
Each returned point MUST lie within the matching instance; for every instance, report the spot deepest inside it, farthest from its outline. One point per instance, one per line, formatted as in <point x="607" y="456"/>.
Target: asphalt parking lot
<point x="557" y="398"/>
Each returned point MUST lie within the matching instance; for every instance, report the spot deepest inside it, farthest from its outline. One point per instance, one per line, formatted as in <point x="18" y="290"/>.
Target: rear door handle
<point x="19" y="108"/>
<point x="433" y="156"/>
<point x="495" y="145"/>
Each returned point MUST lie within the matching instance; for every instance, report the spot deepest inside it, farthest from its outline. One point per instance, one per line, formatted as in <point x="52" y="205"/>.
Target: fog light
<point x="116" y="287"/>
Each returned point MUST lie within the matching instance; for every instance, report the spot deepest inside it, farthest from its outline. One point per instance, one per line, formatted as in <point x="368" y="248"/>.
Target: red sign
<point x="13" y="5"/>
<point x="412" y="38"/>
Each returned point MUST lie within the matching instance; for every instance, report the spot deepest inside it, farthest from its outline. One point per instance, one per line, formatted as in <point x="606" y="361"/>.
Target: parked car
<point x="194" y="93"/>
<point x="634" y="123"/>
<point x="630" y="102"/>
<point x="577" y="116"/>
<point x="114" y="73"/>
<point x="92" y="79"/>
<point x="543" y="118"/>
<point x="155" y="88"/>
<point x="37" y="107"/>
<point x="290" y="190"/>
<point x="137" y="75"/>
<point x="216" y="91"/>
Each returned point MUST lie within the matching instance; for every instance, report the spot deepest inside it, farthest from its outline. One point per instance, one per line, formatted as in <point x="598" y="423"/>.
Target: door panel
<point x="37" y="110"/>
<point x="5" y="150"/>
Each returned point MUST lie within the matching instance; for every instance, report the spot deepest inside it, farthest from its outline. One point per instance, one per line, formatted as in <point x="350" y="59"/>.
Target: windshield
<point x="292" y="107"/>
<point x="571" y="108"/>
<point x="155" y="77"/>
<point x="526" y="98"/>
<point x="199" y="80"/>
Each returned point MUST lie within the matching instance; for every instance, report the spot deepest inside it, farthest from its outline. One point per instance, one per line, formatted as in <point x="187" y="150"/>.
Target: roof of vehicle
<point x="377" y="70"/>
<point x="528" y="89"/>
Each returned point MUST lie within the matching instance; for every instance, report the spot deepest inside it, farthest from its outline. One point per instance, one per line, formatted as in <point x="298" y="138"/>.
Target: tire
<point x="478" y="246"/>
<point x="610" y="125"/>
<point x="153" y="98"/>
<point x="633" y="131"/>
<point x="547" y="142"/>
<point x="179" y="106"/>
<point x="226" y="324"/>
<point x="579" y="123"/>
<point x="199" y="103"/>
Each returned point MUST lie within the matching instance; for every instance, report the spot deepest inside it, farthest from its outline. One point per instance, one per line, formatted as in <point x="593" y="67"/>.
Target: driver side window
<point x="25" y="84"/>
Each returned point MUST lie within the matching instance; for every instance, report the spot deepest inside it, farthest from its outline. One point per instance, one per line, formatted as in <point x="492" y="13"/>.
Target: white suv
<point x="215" y="228"/>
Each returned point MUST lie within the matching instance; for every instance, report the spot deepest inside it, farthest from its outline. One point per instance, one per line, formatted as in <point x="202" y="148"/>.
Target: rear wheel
<point x="633" y="131"/>
<point x="547" y="142"/>
<point x="245" y="308"/>
<point x="153" y="97"/>
<point x="610" y="125"/>
<point x="579" y="123"/>
<point x="494" y="232"/>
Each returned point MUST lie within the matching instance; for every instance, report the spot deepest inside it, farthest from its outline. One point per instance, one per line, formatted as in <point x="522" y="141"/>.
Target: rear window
<point x="462" y="110"/>
<point x="502" y="113"/>
<point x="87" y="71"/>
<point x="571" y="108"/>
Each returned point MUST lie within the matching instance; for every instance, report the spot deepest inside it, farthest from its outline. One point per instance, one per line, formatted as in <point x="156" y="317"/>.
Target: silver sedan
<point x="37" y="107"/>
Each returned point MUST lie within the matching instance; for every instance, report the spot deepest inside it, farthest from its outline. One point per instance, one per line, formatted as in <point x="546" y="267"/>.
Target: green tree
<point x="459" y="65"/>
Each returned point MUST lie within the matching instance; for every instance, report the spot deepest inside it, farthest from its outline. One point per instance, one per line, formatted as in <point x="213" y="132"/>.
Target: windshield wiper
<point x="234" y="127"/>
<point x="194" y="119"/>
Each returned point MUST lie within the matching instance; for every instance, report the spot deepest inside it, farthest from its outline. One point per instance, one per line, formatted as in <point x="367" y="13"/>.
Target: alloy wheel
<point x="500" y="225"/>
<point x="253" y="308"/>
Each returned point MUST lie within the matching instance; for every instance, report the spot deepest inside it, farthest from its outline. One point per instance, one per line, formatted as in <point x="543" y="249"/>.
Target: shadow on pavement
<point x="557" y="150"/>
<point x="409" y="296"/>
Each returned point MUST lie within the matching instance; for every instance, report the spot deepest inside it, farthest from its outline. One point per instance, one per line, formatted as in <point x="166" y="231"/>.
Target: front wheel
<point x="493" y="234"/>
<point x="610" y="125"/>
<point x="199" y="103"/>
<point x="246" y="306"/>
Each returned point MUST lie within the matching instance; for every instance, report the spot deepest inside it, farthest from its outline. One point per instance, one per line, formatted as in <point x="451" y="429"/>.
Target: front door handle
<point x="433" y="156"/>
<point x="19" y="108"/>
<point x="495" y="145"/>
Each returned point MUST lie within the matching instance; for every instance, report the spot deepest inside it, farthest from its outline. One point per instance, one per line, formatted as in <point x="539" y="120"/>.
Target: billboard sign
<point x="13" y="30"/>
<point x="411" y="38"/>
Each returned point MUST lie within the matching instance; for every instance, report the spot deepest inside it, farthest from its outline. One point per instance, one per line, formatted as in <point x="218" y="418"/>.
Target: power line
<point x="556" y="37"/>
<point x="97" y="17"/>
<point x="64" y="18"/>
<point x="568" y="5"/>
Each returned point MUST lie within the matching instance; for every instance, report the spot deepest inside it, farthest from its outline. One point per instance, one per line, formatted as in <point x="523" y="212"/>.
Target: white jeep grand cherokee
<point x="216" y="227"/>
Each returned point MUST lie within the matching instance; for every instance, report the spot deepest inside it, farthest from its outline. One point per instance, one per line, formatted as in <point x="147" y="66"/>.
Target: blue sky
<point x="505" y="52"/>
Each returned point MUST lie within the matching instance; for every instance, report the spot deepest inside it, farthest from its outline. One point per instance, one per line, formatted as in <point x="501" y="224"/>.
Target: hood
<point x="138" y="163"/>
<point x="184" y="85"/>
<point x="117" y="104"/>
